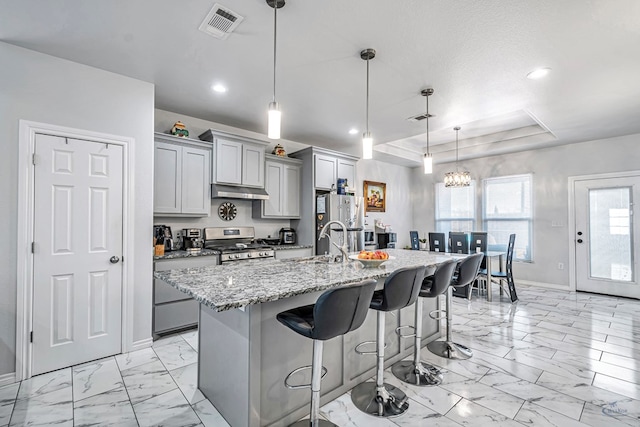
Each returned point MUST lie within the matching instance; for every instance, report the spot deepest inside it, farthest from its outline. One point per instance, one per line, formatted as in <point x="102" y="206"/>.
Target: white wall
<point x="46" y="89"/>
<point x="398" y="213"/>
<point x="551" y="168"/>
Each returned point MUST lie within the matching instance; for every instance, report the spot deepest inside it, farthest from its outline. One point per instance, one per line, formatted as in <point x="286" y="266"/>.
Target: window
<point x="508" y="209"/>
<point x="455" y="208"/>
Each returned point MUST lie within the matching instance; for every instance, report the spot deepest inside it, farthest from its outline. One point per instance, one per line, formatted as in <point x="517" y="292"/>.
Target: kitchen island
<point x="245" y="353"/>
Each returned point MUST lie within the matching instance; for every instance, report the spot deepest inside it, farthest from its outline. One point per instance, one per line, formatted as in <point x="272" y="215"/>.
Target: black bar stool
<point x="416" y="372"/>
<point x="378" y="398"/>
<point x="466" y="274"/>
<point x="336" y="312"/>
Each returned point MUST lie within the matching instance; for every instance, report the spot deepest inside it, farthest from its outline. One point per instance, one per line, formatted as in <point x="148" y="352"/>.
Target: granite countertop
<point x="185" y="254"/>
<point x="235" y="285"/>
<point x="286" y="247"/>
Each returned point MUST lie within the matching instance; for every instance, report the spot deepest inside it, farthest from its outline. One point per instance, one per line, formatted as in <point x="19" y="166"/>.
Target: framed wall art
<point x="375" y="194"/>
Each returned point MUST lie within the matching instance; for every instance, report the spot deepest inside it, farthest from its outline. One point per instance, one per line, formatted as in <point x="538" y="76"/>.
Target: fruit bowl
<point x="370" y="263"/>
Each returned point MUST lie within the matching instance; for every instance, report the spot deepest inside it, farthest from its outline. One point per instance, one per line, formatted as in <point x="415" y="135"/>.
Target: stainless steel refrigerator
<point x="347" y="209"/>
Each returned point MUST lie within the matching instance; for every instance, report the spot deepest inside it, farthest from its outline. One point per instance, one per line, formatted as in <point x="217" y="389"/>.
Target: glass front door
<point x="606" y="236"/>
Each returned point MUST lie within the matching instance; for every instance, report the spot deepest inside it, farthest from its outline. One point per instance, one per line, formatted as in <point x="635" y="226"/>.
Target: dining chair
<point x="503" y="278"/>
<point x="478" y="243"/>
<point x="415" y="240"/>
<point x="458" y="243"/>
<point x="436" y="242"/>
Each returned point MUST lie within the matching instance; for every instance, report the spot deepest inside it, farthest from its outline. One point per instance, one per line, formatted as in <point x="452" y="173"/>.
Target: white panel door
<point x="77" y="286"/>
<point x="607" y="236"/>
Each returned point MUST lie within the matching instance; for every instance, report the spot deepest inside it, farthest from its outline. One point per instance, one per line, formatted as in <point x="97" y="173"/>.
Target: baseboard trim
<point x="6" y="379"/>
<point x="139" y="345"/>
<point x="543" y="285"/>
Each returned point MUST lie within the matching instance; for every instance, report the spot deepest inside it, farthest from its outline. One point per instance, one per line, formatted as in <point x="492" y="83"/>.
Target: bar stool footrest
<point x="399" y="328"/>
<point x="440" y="316"/>
<point x="360" y="352"/>
<point x="299" y="386"/>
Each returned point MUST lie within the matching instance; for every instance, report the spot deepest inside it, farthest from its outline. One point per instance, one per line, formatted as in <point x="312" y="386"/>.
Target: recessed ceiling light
<point x="538" y="73"/>
<point x="219" y="88"/>
<point x="353" y="131"/>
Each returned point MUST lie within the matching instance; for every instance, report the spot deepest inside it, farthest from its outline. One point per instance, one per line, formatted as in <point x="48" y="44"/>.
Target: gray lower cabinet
<point x="293" y="253"/>
<point x="172" y="309"/>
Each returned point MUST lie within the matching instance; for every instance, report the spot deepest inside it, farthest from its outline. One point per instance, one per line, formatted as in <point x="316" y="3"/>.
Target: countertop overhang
<point x="235" y="285"/>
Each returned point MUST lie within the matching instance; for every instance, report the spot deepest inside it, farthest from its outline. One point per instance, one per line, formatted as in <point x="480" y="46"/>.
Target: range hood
<point x="231" y="192"/>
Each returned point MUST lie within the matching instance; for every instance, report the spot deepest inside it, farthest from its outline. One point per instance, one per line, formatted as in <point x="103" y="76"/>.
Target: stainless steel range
<point x="235" y="244"/>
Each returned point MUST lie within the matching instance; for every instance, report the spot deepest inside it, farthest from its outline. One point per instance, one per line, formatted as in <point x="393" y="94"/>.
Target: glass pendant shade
<point x="457" y="179"/>
<point x="275" y="115"/>
<point x="367" y="146"/>
<point x="428" y="163"/>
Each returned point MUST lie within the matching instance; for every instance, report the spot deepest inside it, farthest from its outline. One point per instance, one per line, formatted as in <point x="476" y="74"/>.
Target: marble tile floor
<point x="552" y="359"/>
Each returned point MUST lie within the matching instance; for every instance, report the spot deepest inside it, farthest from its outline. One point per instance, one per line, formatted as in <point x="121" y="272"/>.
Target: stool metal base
<point x="449" y="349"/>
<point x="422" y="374"/>
<point x="307" y="423"/>
<point x="386" y="401"/>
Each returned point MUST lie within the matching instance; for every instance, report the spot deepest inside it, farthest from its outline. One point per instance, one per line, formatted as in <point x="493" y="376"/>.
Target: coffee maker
<point x="192" y="239"/>
<point x="163" y="234"/>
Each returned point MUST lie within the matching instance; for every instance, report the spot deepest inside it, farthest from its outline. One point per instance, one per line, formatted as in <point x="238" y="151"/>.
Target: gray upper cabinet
<point x="328" y="168"/>
<point x="282" y="183"/>
<point x="238" y="161"/>
<point x="228" y="156"/>
<point x="181" y="176"/>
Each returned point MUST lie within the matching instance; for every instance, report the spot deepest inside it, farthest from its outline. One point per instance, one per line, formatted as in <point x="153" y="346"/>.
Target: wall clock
<point x="227" y="211"/>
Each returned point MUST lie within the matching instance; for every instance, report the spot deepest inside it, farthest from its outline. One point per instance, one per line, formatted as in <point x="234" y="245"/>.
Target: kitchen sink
<point x="320" y="259"/>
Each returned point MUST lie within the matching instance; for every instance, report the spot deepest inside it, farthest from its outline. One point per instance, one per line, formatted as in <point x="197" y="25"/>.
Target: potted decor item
<point x="179" y="129"/>
<point x="423" y="243"/>
<point x="279" y="151"/>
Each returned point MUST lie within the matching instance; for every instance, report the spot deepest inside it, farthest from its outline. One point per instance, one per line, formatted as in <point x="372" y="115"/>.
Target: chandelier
<point x="457" y="179"/>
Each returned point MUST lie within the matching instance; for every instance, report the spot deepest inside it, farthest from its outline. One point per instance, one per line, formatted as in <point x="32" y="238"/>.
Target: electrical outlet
<point x="560" y="266"/>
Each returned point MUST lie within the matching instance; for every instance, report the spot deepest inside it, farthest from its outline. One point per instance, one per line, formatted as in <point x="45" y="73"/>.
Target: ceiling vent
<point x="420" y="117"/>
<point x="220" y="22"/>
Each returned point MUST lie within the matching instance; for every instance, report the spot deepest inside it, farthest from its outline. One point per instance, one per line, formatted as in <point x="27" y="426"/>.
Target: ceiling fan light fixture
<point x="457" y="178"/>
<point x="367" y="140"/>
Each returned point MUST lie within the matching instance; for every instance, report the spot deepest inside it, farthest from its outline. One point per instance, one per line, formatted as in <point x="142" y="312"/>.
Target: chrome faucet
<point x="343" y="249"/>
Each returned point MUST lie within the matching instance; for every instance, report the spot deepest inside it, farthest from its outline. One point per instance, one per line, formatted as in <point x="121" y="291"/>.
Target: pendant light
<point x="274" y="115"/>
<point x="428" y="158"/>
<point x="457" y="179"/>
<point x="367" y="140"/>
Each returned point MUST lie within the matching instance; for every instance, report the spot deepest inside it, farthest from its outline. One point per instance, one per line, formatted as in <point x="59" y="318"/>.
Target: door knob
<point x="579" y="240"/>
<point x="579" y="233"/>
<point x="114" y="259"/>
